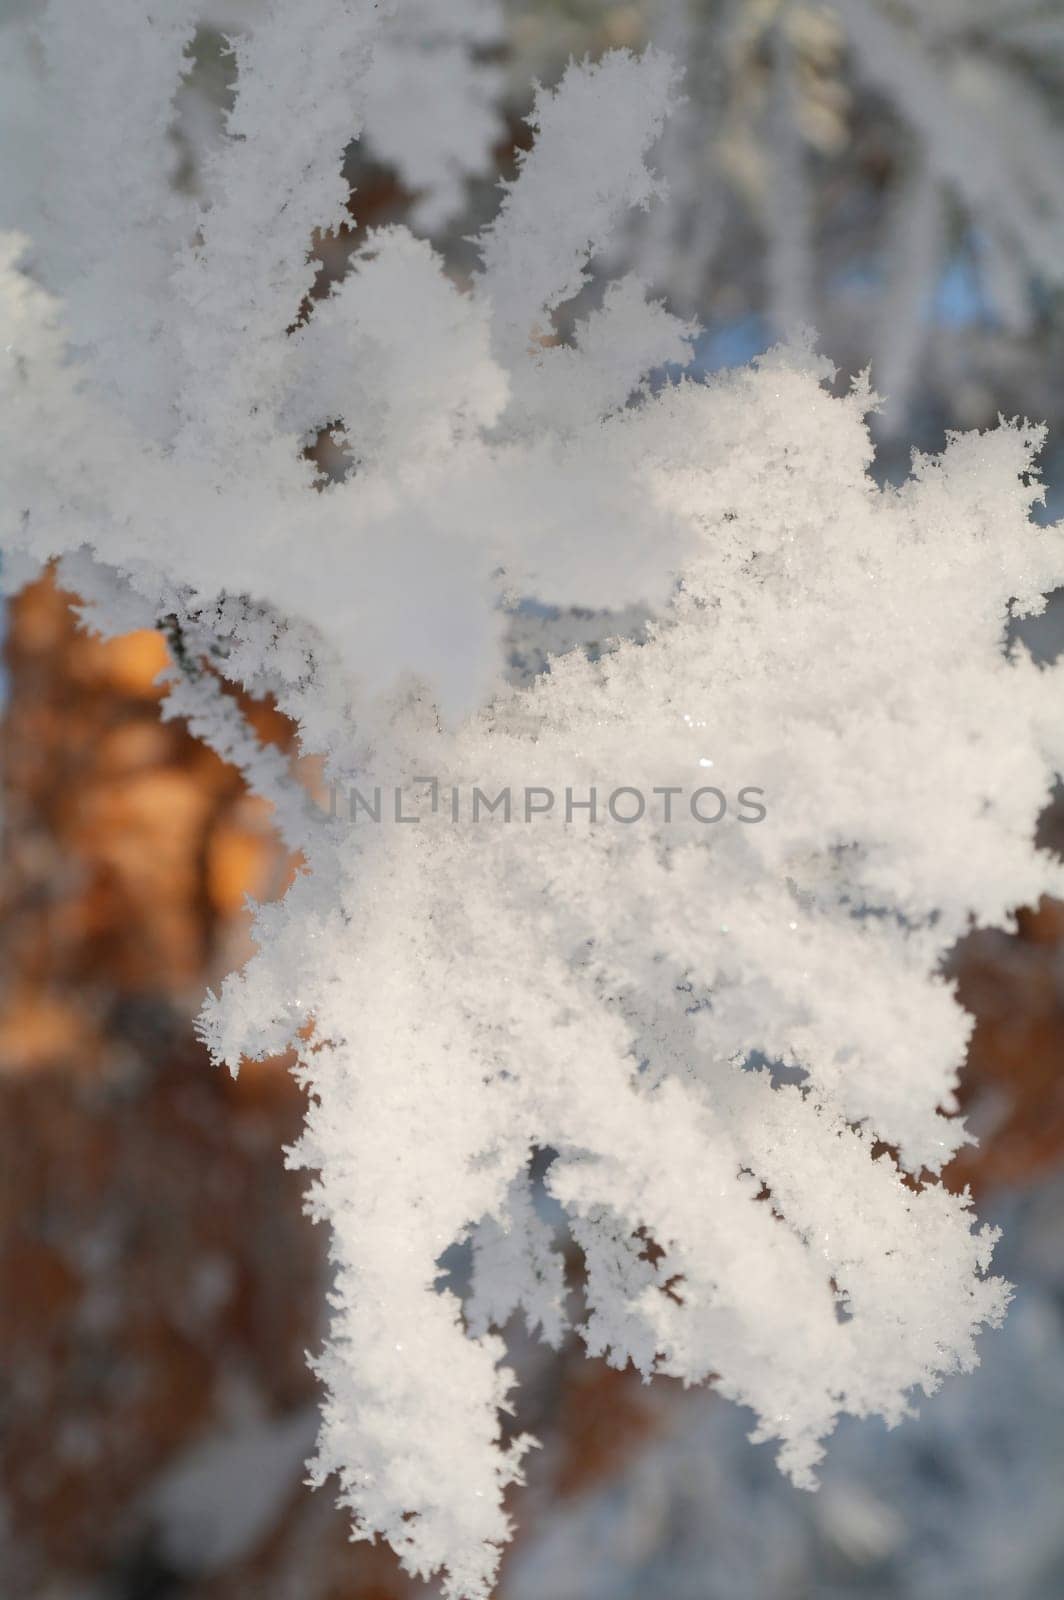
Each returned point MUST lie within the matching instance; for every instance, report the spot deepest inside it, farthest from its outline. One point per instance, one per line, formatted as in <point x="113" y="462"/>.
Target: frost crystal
<point x="835" y="762"/>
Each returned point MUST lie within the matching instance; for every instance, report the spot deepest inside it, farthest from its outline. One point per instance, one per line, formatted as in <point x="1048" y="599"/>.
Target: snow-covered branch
<point x="740" y="843"/>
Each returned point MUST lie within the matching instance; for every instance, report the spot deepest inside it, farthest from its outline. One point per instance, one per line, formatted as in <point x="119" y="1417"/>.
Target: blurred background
<point x="890" y="174"/>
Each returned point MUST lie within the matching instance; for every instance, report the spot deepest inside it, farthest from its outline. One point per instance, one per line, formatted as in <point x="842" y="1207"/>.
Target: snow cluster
<point x="964" y="1500"/>
<point x="462" y="992"/>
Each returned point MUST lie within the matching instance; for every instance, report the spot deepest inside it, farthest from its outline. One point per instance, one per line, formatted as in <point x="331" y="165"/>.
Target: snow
<point x="462" y="993"/>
